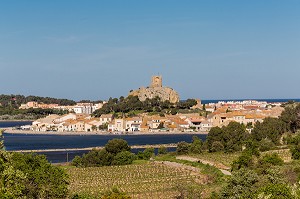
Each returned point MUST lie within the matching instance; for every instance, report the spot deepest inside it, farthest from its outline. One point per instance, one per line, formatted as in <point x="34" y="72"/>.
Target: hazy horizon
<point x="100" y="49"/>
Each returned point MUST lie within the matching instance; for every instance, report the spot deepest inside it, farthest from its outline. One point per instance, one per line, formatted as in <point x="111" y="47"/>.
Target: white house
<point x="133" y="124"/>
<point x="106" y="118"/>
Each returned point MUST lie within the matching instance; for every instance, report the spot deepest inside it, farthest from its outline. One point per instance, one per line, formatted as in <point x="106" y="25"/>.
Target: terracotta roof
<point x="106" y="116"/>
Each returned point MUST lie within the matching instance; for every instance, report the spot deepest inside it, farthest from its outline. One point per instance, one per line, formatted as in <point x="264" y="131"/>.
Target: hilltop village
<point x="198" y="118"/>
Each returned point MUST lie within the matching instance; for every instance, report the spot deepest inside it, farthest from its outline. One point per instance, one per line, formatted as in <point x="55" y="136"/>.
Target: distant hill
<point x="16" y="100"/>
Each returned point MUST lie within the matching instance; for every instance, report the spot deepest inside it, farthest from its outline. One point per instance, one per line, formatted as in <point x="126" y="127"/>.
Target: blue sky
<point x="204" y="49"/>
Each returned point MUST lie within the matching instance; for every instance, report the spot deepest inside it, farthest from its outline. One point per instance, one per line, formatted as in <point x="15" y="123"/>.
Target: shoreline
<point x="173" y="145"/>
<point x="28" y="132"/>
<point x="17" y="120"/>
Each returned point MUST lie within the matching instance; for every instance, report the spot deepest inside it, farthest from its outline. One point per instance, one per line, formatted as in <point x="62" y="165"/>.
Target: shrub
<point x="114" y="193"/>
<point x="32" y="176"/>
<point x="162" y="150"/>
<point x="245" y="160"/>
<point x="115" y="146"/>
<point x="216" y="146"/>
<point x="275" y="191"/>
<point x="77" y="161"/>
<point x="271" y="159"/>
<point x="295" y="150"/>
<point x="242" y="184"/>
<point x="115" y="152"/>
<point x="123" y="158"/>
<point x="266" y="145"/>
<point x="182" y="148"/>
<point x="146" y="154"/>
<point x="196" y="146"/>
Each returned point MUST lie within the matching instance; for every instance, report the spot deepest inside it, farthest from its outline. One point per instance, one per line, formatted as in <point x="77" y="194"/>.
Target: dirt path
<point x="224" y="169"/>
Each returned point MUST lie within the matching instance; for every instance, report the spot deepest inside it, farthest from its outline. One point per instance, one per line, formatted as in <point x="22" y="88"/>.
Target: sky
<point x="98" y="49"/>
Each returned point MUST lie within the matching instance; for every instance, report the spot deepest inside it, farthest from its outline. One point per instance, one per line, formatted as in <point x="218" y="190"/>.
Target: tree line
<point x="15" y="101"/>
<point x="267" y="134"/>
<point x="132" y="103"/>
<point x="30" y="114"/>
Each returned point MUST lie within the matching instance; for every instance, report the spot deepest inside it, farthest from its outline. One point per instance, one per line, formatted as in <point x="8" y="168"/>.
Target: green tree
<point x="295" y="150"/>
<point x="234" y="136"/>
<point x="174" y="111"/>
<point x="196" y="145"/>
<point x="115" y="152"/>
<point x="291" y="117"/>
<point x="146" y="154"/>
<point x="123" y="158"/>
<point x="266" y="144"/>
<point x="182" y="148"/>
<point x="216" y="146"/>
<point x="162" y="150"/>
<point x="215" y="134"/>
<point x="77" y="161"/>
<point x="271" y="160"/>
<point x="276" y="191"/>
<point x="245" y="160"/>
<point x="270" y="128"/>
<point x="94" y="128"/>
<point x="30" y="176"/>
<point x="1" y="139"/>
<point x="115" y="146"/>
<point x="103" y="126"/>
<point x="242" y="184"/>
<point x="161" y="125"/>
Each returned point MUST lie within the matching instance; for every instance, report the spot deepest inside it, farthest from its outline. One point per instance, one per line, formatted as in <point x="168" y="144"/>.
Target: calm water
<point x="267" y="100"/>
<point x="34" y="142"/>
<point x="6" y="124"/>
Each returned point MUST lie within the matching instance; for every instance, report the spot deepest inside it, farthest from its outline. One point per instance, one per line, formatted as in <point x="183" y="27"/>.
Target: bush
<point x="182" y="148"/>
<point x="231" y="137"/>
<point x="146" y="154"/>
<point x="242" y="184"/>
<point x="77" y="161"/>
<point x="196" y="146"/>
<point x="114" y="193"/>
<point x="162" y="150"/>
<point x="216" y="146"/>
<point x="271" y="159"/>
<point x="115" y="146"/>
<point x="295" y="150"/>
<point x="244" y="161"/>
<point x="266" y="145"/>
<point x="123" y="158"/>
<point x="32" y="176"/>
<point x="270" y="128"/>
<point x="115" y="152"/>
<point x="275" y="191"/>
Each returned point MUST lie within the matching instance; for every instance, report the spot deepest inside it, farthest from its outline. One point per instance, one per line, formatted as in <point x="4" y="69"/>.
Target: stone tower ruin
<point x="156" y="81"/>
<point x="156" y="89"/>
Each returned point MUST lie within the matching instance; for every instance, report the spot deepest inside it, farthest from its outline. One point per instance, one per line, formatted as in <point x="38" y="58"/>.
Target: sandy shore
<point x="12" y="131"/>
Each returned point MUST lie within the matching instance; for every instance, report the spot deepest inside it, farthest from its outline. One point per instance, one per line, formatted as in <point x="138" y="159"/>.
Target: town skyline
<point x="96" y="50"/>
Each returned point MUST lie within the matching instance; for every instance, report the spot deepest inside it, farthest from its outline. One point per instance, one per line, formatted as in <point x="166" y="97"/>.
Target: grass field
<point x="146" y="180"/>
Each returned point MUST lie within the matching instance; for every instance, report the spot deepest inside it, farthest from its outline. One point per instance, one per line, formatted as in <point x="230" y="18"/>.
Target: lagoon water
<point x="6" y="124"/>
<point x="35" y="142"/>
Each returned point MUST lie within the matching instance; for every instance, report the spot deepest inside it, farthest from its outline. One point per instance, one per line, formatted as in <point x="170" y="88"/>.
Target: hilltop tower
<point x="156" y="81"/>
<point x="156" y="89"/>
